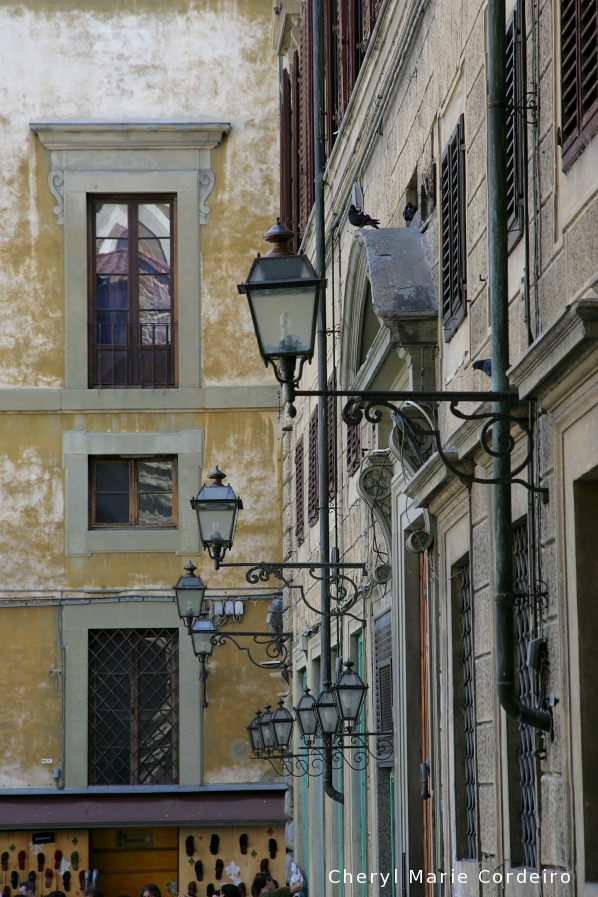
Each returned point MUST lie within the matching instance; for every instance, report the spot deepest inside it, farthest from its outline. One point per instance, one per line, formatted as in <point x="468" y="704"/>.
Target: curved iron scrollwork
<point x="274" y="643"/>
<point x="414" y="433"/>
<point x="344" y="591"/>
<point x="353" y="749"/>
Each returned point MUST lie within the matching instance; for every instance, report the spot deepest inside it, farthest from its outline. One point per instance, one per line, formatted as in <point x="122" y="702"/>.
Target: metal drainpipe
<point x="499" y="306"/>
<point x="322" y="350"/>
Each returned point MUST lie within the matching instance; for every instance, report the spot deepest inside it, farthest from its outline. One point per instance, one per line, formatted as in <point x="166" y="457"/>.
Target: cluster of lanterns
<point x="335" y="711"/>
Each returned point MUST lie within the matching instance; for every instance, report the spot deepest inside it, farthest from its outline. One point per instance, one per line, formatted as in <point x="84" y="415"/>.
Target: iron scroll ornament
<point x="359" y="407"/>
<point x="274" y="643"/>
<point x="351" y="749"/>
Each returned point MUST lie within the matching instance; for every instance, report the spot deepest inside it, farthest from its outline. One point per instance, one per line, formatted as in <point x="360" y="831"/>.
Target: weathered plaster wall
<point x="131" y="61"/>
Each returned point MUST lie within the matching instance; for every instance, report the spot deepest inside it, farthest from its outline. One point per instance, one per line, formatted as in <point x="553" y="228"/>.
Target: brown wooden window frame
<point x="453" y="231"/>
<point x="133" y="348"/>
<point x="134" y="491"/>
<point x="313" y="473"/>
<point x="516" y="125"/>
<point x="579" y="76"/>
<point x="299" y="491"/>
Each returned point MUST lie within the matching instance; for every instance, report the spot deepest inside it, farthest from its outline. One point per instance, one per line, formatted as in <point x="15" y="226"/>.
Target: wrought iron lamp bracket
<point x="369" y="405"/>
<point x="343" y="589"/>
<point x="274" y="643"/>
<point x="351" y="749"/>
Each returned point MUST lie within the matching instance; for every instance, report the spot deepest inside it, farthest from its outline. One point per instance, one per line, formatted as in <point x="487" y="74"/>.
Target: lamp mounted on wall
<point x="217" y="507"/>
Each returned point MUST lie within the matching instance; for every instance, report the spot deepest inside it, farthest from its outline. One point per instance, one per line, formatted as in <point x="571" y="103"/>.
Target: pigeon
<point x="360" y="219"/>
<point x="409" y="211"/>
<point x="485" y="365"/>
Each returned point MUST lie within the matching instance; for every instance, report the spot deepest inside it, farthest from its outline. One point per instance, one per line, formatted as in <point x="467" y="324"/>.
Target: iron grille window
<point x="353" y="449"/>
<point x="132" y="492"/>
<point x="132" y="319"/>
<point x="383" y="661"/>
<point x="331" y="408"/>
<point x="299" y="487"/>
<point x="454" y="245"/>
<point x="133" y="707"/>
<point x="468" y="709"/>
<point x="313" y="479"/>
<point x="527" y="773"/>
<point x="516" y="124"/>
<point x="579" y="75"/>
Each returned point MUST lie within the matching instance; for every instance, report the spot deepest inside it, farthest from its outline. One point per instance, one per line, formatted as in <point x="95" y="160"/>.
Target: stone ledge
<point x="434" y="477"/>
<point x="139" y="135"/>
<point x="569" y="335"/>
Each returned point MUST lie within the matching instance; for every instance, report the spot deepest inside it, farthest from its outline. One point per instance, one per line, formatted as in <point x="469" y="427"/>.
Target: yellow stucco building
<point x="139" y="145"/>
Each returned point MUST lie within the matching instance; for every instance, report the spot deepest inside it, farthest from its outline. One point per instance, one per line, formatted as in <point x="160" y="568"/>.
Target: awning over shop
<point x="92" y="807"/>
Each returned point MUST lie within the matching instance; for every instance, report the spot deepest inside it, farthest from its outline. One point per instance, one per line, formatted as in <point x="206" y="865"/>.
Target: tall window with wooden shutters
<point x="383" y="661"/>
<point x="454" y="243"/>
<point x="313" y="479"/>
<point x="299" y="489"/>
<point x="516" y="125"/>
<point x="332" y="422"/>
<point x="290" y="140"/>
<point x="579" y="76"/>
<point x="306" y="113"/>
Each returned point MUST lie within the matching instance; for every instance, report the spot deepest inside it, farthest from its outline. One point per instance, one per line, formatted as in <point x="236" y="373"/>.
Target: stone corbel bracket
<point x="374" y="487"/>
<point x="56" y="184"/>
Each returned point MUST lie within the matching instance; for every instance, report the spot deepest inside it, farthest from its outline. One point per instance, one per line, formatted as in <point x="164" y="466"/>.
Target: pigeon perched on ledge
<point x="361" y="219"/>
<point x="483" y="364"/>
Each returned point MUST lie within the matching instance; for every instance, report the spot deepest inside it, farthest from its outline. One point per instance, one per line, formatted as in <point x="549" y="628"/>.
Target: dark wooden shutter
<point x="516" y="123"/>
<point x="579" y="75"/>
<point x="454" y="244"/>
<point x="368" y="21"/>
<point x="383" y="662"/>
<point x="331" y="403"/>
<point x="295" y="149"/>
<point x="299" y="491"/>
<point x="313" y="480"/>
<point x="353" y="448"/>
<point x="347" y="53"/>
<point x="306" y="103"/>
<point x="330" y="49"/>
<point x="286" y="202"/>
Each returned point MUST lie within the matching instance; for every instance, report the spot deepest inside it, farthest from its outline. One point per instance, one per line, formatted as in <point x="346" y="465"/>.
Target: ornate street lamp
<point x="349" y="690"/>
<point x="255" y="734"/>
<point x="266" y="731"/>
<point x="190" y="591"/>
<point x="217" y="508"/>
<point x="283" y="291"/>
<point x="281" y="724"/>
<point x="327" y="711"/>
<point x="202" y="632"/>
<point x="306" y="715"/>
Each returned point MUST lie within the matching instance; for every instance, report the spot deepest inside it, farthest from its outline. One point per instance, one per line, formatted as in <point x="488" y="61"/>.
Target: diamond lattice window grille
<point x="133" y="707"/>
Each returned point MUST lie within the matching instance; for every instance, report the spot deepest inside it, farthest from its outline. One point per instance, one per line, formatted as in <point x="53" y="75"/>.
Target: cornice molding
<point x="137" y="135"/>
<point x="562" y="346"/>
<point x="434" y="478"/>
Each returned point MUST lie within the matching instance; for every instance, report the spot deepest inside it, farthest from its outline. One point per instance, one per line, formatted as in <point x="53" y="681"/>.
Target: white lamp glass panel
<point x="216" y="523"/>
<point x="350" y="702"/>
<point x="190" y="602"/>
<point x="328" y="718"/>
<point x="285" y="319"/>
<point x="282" y="730"/>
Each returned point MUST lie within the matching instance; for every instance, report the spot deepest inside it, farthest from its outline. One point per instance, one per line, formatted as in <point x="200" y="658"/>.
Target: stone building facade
<point x="468" y="789"/>
<point x="133" y="135"/>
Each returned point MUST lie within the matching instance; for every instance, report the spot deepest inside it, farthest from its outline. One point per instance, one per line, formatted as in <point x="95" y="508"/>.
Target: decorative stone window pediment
<point x="151" y="157"/>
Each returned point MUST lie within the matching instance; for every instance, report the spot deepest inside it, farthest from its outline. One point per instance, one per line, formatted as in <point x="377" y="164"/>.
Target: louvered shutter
<point x="306" y="102"/>
<point x="353" y="448"/>
<point x="313" y="480"/>
<point x="516" y="122"/>
<point x="295" y="149"/>
<point x="331" y="403"/>
<point x="454" y="245"/>
<point x="299" y="491"/>
<point x="579" y="75"/>
<point x="383" y="662"/>
<point x="286" y="206"/>
<point x="347" y="53"/>
<point x="330" y="73"/>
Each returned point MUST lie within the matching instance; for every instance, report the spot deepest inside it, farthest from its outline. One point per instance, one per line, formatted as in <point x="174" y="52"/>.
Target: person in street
<point x="27" y="888"/>
<point x="93" y="891"/>
<point x="264" y="883"/>
<point x="150" y="890"/>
